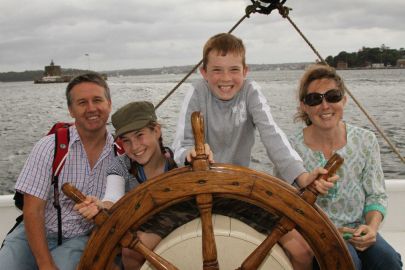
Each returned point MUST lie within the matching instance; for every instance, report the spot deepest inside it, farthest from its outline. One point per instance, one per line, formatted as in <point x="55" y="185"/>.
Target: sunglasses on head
<point x="331" y="96"/>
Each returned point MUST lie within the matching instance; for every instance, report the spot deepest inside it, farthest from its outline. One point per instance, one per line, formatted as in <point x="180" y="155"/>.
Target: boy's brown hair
<point x="224" y="43"/>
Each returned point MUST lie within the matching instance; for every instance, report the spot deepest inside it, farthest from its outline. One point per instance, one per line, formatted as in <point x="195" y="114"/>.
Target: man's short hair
<point x="91" y="77"/>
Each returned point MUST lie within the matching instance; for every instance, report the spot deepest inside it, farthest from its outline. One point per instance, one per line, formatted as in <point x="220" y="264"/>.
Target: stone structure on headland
<point x="53" y="74"/>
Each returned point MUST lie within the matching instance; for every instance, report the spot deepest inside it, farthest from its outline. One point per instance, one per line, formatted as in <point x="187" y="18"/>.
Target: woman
<point x="357" y="203"/>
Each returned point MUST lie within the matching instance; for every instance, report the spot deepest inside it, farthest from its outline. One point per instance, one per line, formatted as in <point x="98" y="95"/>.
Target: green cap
<point x="133" y="116"/>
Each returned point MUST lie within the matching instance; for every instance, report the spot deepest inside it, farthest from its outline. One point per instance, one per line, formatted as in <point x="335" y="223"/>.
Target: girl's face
<point x="325" y="115"/>
<point x="142" y="145"/>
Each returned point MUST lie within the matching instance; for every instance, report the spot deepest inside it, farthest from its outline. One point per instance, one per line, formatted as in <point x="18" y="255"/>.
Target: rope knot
<point x="284" y="11"/>
<point x="264" y="6"/>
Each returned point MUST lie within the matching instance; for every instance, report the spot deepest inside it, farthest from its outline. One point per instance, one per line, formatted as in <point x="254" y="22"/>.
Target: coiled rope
<point x="266" y="7"/>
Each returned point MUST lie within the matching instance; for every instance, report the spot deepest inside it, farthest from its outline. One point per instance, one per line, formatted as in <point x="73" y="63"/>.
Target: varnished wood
<point x="129" y="240"/>
<point x="255" y="259"/>
<point x="78" y="197"/>
<point x="73" y="193"/>
<point x="158" y="262"/>
<point x="242" y="183"/>
<point x="210" y="261"/>
<point x="310" y="193"/>
<point x="204" y="181"/>
<point x="200" y="162"/>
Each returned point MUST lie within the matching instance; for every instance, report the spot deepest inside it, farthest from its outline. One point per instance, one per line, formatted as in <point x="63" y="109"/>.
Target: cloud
<point x="136" y="33"/>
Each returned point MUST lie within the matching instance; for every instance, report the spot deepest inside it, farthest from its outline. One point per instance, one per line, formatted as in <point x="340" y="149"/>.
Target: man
<point x="33" y="244"/>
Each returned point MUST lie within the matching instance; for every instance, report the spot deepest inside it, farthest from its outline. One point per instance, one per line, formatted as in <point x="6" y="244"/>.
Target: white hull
<point x="393" y="228"/>
<point x="8" y="214"/>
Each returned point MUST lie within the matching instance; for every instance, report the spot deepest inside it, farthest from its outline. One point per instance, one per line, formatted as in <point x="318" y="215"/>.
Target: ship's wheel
<point x="117" y="227"/>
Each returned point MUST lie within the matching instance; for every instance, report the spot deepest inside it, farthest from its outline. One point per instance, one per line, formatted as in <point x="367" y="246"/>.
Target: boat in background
<point x="53" y="74"/>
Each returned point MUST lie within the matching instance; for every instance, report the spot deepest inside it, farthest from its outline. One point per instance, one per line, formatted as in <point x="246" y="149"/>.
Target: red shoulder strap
<point x="118" y="148"/>
<point x="61" y="149"/>
<point x="61" y="131"/>
<point x="59" y="125"/>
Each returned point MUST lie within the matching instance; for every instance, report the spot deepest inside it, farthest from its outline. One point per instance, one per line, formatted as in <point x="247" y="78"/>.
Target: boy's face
<point x="225" y="74"/>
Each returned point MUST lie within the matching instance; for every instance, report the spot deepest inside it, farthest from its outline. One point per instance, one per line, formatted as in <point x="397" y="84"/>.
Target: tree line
<point x="365" y="57"/>
<point x="31" y="75"/>
<point x="28" y="75"/>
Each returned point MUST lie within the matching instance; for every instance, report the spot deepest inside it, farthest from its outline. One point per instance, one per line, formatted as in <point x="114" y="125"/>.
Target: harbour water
<point x="28" y="110"/>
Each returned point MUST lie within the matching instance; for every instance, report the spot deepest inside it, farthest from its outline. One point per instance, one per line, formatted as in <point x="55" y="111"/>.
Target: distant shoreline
<point x="33" y="75"/>
<point x="369" y="68"/>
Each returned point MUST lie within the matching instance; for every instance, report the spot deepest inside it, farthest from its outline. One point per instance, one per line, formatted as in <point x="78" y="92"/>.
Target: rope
<point x="284" y="11"/>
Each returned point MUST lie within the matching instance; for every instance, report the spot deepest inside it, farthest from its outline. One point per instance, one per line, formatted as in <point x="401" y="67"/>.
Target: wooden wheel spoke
<point x="154" y="259"/>
<point x="209" y="250"/>
<point x="130" y="239"/>
<point x="255" y="259"/>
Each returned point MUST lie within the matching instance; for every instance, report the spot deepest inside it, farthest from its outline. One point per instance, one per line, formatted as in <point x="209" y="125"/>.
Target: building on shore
<point x="53" y="74"/>
<point x="342" y="65"/>
<point x="377" y="65"/>
<point x="401" y="63"/>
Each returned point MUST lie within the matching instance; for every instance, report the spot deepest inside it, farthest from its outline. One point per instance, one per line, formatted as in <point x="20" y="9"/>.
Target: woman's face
<point x="325" y="115"/>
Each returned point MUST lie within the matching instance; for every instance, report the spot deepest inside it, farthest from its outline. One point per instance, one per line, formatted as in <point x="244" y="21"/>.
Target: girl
<point x="145" y="157"/>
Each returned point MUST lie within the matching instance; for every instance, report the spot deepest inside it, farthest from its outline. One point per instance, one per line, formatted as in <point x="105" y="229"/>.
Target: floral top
<point x="361" y="186"/>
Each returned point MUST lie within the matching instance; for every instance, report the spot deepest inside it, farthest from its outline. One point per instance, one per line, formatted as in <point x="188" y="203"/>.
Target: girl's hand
<point x="89" y="208"/>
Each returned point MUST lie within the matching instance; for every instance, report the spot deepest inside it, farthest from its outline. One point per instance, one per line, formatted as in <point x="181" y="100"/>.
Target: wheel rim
<point x="222" y="180"/>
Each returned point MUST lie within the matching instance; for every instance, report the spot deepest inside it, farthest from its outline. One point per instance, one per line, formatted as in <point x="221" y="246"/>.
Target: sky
<point x="105" y="35"/>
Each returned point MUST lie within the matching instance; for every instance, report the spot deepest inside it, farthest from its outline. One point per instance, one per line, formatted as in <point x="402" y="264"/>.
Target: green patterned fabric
<point x="361" y="186"/>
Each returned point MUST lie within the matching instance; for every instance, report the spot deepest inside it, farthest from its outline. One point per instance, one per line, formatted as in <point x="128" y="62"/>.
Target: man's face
<point x="225" y="74"/>
<point x="89" y="107"/>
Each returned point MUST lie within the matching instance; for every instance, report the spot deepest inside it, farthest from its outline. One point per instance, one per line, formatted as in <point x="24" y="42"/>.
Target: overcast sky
<point x="109" y="35"/>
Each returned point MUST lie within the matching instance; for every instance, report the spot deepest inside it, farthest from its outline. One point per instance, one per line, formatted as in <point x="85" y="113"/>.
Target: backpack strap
<point x="118" y="148"/>
<point x="61" y="133"/>
<point x="61" y="149"/>
<point x="60" y="154"/>
<point x="59" y="125"/>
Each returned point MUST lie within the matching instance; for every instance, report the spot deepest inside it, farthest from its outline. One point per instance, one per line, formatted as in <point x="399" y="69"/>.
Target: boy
<point x="233" y="107"/>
